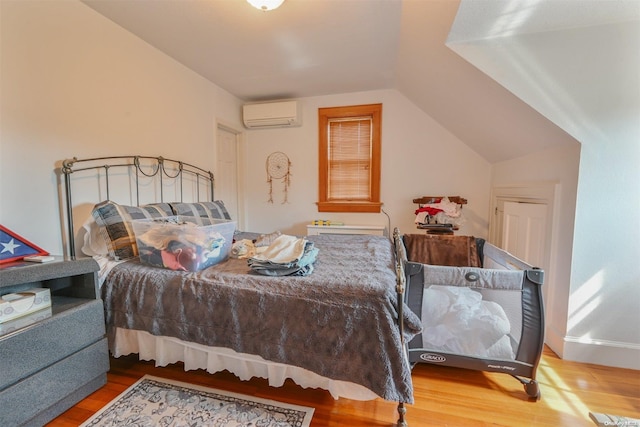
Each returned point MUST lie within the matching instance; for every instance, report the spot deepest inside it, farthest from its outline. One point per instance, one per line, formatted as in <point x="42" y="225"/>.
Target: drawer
<point x="75" y="324"/>
<point x="46" y="394"/>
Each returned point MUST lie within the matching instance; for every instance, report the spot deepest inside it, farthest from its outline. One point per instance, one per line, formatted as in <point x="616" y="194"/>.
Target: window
<point x="349" y="153"/>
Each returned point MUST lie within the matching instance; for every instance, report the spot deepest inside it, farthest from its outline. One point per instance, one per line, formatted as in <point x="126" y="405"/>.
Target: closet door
<point x="524" y="231"/>
<point x="226" y="173"/>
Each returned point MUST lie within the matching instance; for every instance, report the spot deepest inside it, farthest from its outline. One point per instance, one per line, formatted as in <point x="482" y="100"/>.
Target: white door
<point x="524" y="231"/>
<point x="226" y="173"/>
<point x="523" y="224"/>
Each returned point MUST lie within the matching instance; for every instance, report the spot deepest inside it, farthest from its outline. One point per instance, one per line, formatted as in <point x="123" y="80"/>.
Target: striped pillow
<point x="210" y="210"/>
<point x="114" y="221"/>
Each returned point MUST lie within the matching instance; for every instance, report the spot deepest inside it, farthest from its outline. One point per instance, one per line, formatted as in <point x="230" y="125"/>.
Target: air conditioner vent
<point x="271" y="114"/>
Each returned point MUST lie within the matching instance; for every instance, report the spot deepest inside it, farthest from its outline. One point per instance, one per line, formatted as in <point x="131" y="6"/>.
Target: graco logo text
<point x="436" y="358"/>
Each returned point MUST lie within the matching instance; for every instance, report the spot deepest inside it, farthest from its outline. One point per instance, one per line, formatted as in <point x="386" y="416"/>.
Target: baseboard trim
<point x="602" y="352"/>
<point x="555" y="341"/>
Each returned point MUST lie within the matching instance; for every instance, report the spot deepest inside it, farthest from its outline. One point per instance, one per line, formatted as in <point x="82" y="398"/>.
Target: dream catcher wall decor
<point x="278" y="167"/>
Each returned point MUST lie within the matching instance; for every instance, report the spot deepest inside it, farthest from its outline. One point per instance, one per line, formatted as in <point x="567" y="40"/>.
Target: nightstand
<point x="51" y="364"/>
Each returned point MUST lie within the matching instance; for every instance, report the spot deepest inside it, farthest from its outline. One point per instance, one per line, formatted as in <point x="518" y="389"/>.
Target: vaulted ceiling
<point x="309" y="48"/>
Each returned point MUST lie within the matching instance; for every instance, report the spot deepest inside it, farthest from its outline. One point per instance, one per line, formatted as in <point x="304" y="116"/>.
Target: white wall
<point x="419" y="158"/>
<point x="592" y="313"/>
<point x="558" y="166"/>
<point x="75" y="84"/>
<point x="603" y="315"/>
<point x="586" y="80"/>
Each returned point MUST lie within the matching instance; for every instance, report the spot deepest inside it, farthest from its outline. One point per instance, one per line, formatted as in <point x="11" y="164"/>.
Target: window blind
<point x="349" y="157"/>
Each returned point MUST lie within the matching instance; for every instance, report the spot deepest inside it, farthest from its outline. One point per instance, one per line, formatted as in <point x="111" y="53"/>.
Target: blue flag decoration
<point x="15" y="248"/>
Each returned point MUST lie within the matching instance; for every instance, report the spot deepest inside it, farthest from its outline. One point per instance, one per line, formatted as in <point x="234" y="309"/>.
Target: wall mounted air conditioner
<point x="272" y="114"/>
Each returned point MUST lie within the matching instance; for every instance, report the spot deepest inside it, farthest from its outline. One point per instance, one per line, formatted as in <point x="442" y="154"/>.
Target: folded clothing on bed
<point x="286" y="256"/>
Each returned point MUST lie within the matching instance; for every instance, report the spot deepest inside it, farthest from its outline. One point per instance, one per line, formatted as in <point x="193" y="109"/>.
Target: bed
<point x="342" y="328"/>
<point x="480" y="307"/>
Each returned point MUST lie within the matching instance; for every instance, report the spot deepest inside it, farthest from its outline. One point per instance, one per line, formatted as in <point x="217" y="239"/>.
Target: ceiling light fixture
<point x="266" y="4"/>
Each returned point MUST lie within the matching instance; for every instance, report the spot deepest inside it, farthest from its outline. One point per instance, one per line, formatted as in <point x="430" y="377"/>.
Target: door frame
<point x="546" y="192"/>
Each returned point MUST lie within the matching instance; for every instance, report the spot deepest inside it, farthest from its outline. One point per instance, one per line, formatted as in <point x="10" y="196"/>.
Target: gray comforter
<point x="339" y="322"/>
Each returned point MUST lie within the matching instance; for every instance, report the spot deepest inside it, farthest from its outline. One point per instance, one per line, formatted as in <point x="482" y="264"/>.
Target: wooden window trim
<point x="373" y="204"/>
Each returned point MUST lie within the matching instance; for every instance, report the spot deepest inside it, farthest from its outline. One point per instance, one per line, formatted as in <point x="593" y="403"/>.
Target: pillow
<point x="210" y="210"/>
<point x="91" y="237"/>
<point x="158" y="209"/>
<point x="114" y="221"/>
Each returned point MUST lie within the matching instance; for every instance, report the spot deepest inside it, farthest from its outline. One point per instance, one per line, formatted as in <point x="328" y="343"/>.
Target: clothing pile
<point x="178" y="245"/>
<point x="285" y="256"/>
<point x="443" y="211"/>
<point x="246" y="248"/>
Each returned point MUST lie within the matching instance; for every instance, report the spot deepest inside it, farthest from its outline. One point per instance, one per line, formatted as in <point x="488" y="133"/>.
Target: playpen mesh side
<point x="470" y="311"/>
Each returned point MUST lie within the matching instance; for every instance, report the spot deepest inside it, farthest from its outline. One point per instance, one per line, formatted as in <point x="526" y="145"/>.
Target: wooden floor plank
<point x="444" y="396"/>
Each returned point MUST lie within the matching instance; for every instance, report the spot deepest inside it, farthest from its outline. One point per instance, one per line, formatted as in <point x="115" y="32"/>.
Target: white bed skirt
<point x="166" y="350"/>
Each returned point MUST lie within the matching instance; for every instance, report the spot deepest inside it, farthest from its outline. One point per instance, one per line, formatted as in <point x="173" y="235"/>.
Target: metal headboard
<point x="159" y="168"/>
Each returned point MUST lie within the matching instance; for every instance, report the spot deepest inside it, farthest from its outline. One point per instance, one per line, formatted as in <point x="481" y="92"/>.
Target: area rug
<point x="606" y="420"/>
<point x="154" y="401"/>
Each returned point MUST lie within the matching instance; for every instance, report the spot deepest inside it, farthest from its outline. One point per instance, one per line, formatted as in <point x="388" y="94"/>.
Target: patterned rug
<point x="154" y="401"/>
<point x="608" y="420"/>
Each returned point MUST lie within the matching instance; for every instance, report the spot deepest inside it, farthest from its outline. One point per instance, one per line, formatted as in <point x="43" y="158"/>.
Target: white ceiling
<point x="575" y="62"/>
<point x="319" y="47"/>
<point x="304" y="48"/>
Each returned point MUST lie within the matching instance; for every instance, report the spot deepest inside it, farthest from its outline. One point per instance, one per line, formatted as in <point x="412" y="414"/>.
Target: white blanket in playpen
<point x="457" y="320"/>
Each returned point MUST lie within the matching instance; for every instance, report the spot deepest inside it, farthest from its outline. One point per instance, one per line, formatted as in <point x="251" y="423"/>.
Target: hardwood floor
<point x="443" y="396"/>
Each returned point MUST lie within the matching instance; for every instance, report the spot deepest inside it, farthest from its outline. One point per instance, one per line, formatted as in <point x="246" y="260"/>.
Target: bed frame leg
<point x="401" y="413"/>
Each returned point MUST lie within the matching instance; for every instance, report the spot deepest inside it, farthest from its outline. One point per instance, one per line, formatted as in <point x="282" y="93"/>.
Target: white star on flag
<point x="9" y="247"/>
